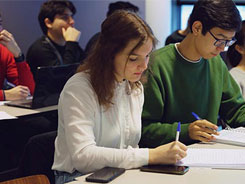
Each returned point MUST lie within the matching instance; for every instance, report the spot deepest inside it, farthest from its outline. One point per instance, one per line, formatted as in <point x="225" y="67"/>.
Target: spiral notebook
<point x="234" y="136"/>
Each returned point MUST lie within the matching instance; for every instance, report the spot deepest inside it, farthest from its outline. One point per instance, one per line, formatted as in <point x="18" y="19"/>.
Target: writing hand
<point x="167" y="154"/>
<point x="202" y="130"/>
<point x="17" y="93"/>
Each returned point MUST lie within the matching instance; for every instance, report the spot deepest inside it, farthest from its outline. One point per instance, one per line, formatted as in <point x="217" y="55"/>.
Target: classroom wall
<point x="158" y="16"/>
<point x="20" y="18"/>
<point x="92" y="13"/>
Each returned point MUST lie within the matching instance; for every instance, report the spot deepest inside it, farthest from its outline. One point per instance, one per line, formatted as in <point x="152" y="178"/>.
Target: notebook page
<point x="214" y="158"/>
<point x="233" y="136"/>
<point x="239" y="129"/>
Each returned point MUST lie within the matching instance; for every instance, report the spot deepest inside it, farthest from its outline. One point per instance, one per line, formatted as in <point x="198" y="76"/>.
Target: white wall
<point x="158" y="16"/>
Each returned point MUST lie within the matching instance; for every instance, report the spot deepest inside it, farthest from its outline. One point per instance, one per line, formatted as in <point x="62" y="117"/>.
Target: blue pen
<point x="198" y="118"/>
<point x="220" y="121"/>
<point x="13" y="86"/>
<point x="195" y="115"/>
<point x="178" y="132"/>
<point x="219" y="128"/>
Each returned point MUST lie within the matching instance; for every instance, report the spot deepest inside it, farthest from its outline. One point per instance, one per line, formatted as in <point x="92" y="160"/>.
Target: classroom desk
<point x="20" y="112"/>
<point x="193" y="176"/>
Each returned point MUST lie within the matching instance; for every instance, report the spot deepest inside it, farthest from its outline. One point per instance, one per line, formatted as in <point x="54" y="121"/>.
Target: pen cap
<point x="178" y="128"/>
<point x="195" y="115"/>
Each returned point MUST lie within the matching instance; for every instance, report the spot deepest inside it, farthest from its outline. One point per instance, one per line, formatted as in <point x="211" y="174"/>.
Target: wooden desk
<point x="19" y="112"/>
<point x="193" y="176"/>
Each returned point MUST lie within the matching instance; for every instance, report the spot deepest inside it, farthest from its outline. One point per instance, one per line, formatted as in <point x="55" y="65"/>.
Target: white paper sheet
<point x="214" y="158"/>
<point x="4" y="115"/>
<point x="3" y="102"/>
<point x="232" y="136"/>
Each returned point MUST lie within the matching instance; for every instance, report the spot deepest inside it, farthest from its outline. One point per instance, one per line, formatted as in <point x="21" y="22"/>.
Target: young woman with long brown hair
<point x="100" y="106"/>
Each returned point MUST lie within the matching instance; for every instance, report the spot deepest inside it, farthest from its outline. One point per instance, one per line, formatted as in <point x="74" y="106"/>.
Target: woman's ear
<point x="240" y="49"/>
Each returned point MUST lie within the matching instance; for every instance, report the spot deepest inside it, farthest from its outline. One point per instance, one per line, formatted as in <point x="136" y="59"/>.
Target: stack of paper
<point x="214" y="158"/>
<point x="232" y="136"/>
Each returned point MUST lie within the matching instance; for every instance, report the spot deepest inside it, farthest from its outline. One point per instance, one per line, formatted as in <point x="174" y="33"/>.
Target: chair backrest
<point x="35" y="179"/>
<point x="38" y="156"/>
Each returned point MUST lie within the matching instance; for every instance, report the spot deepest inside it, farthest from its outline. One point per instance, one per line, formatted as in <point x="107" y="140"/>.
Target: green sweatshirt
<point x="177" y="87"/>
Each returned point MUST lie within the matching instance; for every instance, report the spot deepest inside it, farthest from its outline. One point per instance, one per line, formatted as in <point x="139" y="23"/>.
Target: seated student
<point x="191" y="77"/>
<point x="13" y="68"/>
<point x="236" y="55"/>
<point x="100" y="106"/>
<point x="59" y="44"/>
<point x="15" y="133"/>
<point x="177" y="36"/>
<point x="119" y="5"/>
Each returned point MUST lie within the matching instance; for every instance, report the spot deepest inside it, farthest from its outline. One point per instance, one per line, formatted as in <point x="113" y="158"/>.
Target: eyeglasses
<point x="221" y="42"/>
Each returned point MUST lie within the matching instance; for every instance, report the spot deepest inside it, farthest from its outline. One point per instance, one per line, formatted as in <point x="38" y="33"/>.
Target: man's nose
<point x="221" y="48"/>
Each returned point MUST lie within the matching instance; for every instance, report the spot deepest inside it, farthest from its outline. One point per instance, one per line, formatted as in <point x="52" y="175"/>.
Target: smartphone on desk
<point x="105" y="175"/>
<point x="168" y="169"/>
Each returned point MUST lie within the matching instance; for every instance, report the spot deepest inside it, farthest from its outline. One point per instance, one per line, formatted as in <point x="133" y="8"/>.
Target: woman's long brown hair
<point x="116" y="32"/>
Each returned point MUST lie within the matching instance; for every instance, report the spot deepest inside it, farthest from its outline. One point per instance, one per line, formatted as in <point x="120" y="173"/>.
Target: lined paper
<point x="214" y="158"/>
<point x="232" y="136"/>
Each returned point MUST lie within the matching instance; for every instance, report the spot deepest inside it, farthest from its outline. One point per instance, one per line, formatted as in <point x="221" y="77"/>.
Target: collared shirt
<point x="91" y="137"/>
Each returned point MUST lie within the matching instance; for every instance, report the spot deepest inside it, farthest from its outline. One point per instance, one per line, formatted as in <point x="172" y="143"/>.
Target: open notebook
<point x="234" y="136"/>
<point x="214" y="158"/>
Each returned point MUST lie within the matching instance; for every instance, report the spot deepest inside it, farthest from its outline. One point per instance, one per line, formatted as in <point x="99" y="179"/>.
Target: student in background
<point x="59" y="44"/>
<point x="119" y="5"/>
<point x="100" y="106"/>
<point x="177" y="36"/>
<point x="13" y="68"/>
<point x="236" y="55"/>
<point x="15" y="133"/>
<point x="190" y="76"/>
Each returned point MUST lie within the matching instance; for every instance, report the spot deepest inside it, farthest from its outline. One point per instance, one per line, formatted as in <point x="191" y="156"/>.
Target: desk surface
<point x="16" y="111"/>
<point x="193" y="176"/>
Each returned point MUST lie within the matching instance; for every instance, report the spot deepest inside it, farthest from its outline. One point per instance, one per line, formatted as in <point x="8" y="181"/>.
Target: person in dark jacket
<point x="59" y="44"/>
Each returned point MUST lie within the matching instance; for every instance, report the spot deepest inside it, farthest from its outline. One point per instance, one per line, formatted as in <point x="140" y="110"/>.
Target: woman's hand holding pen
<point x="167" y="154"/>
<point x="203" y="130"/>
<point x="17" y="93"/>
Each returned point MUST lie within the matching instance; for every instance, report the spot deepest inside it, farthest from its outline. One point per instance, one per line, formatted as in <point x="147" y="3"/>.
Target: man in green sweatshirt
<point x="191" y="77"/>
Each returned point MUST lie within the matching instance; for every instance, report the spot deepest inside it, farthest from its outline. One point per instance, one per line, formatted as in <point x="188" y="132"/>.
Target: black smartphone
<point x="105" y="175"/>
<point x="168" y="169"/>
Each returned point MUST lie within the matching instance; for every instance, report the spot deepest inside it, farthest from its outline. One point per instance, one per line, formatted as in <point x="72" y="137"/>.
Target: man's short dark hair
<point x="216" y="13"/>
<point x="120" y="5"/>
<point x="51" y="8"/>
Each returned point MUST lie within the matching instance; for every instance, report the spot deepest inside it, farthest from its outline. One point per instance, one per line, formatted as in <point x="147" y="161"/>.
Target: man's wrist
<point x="19" y="58"/>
